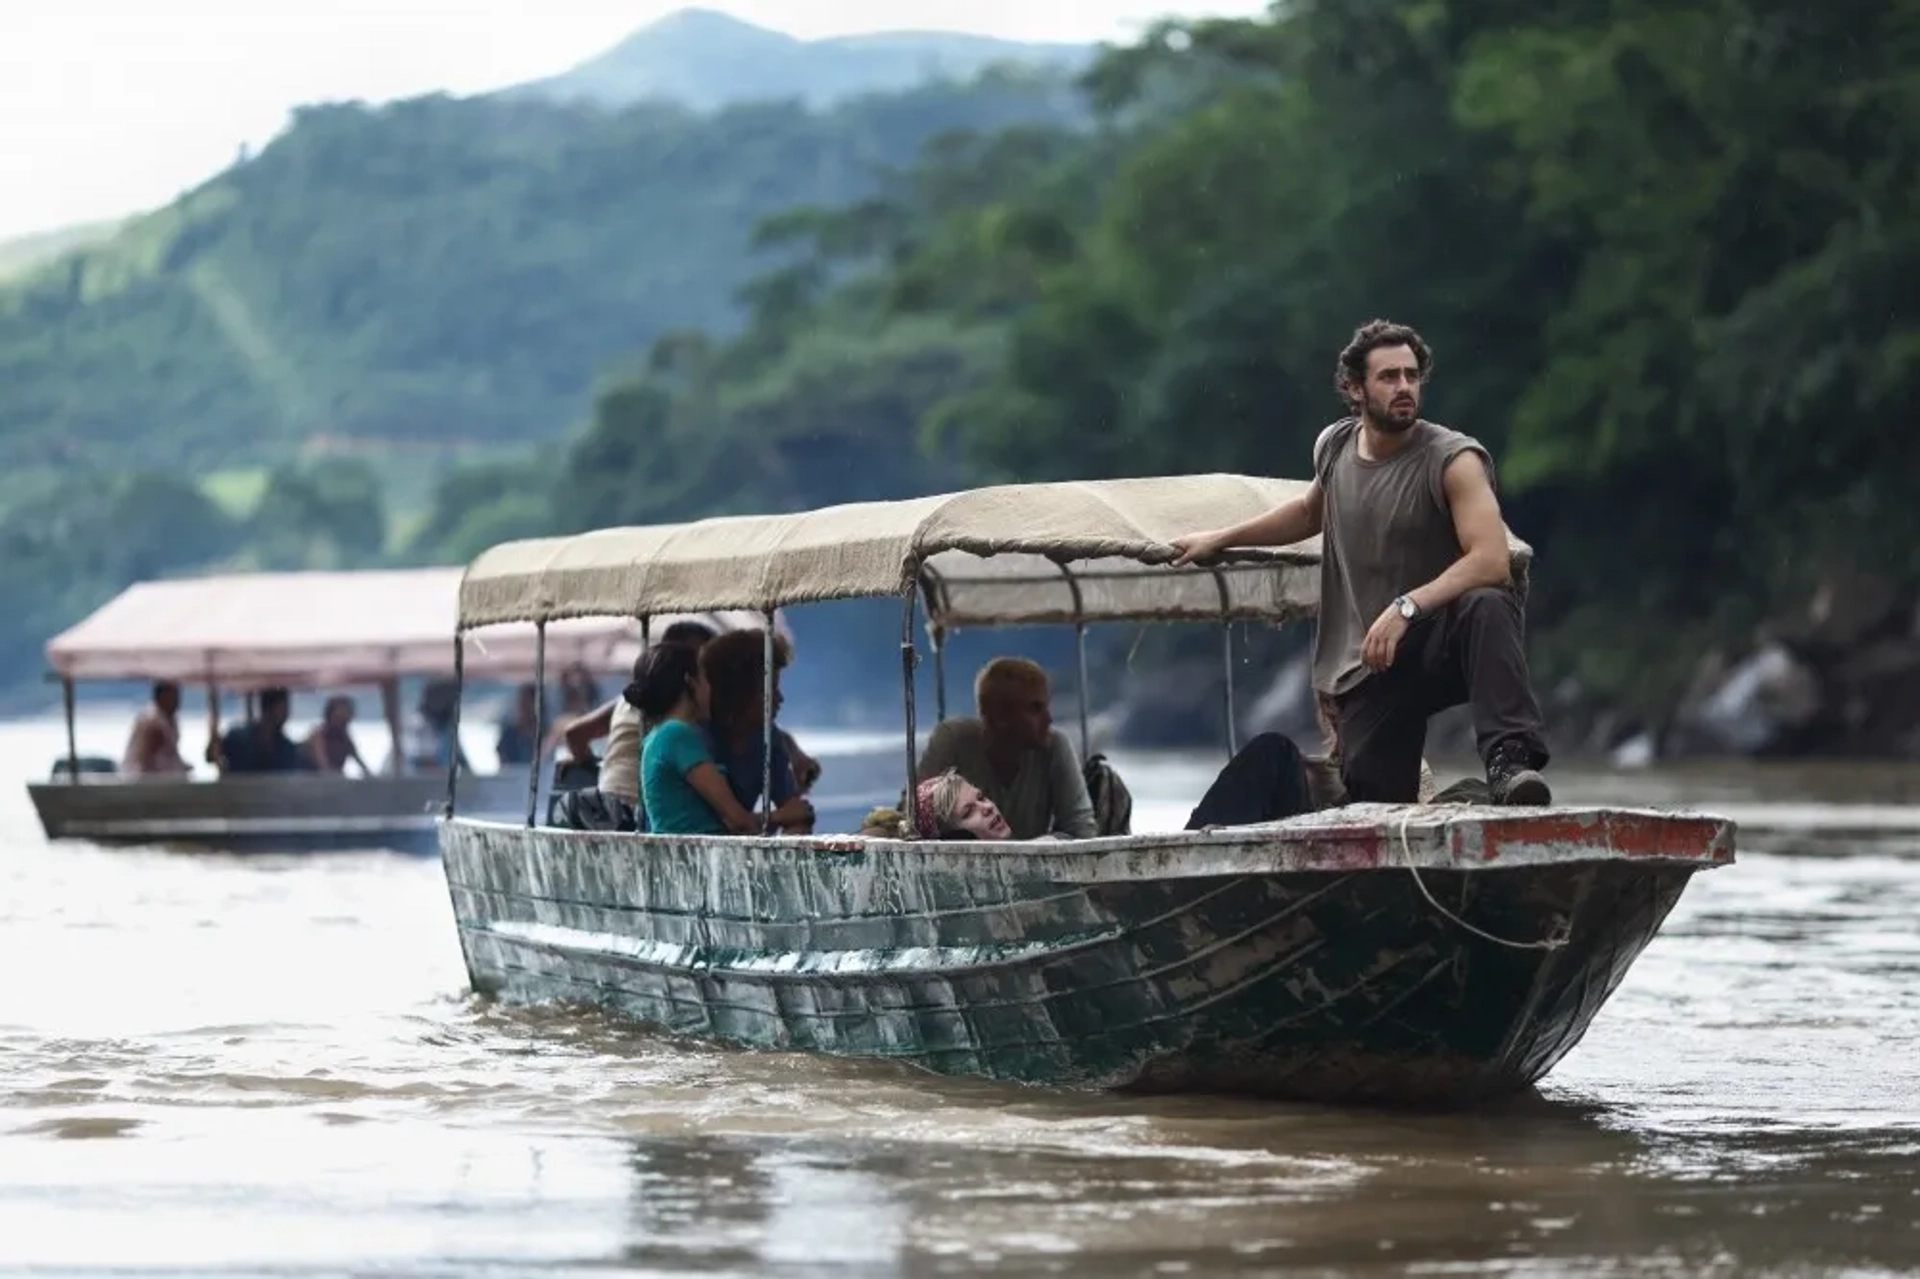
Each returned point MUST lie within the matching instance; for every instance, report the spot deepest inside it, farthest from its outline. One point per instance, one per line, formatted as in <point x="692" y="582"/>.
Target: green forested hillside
<point x="273" y="371"/>
<point x="1665" y="253"/>
<point x="22" y="253"/>
<point x="436" y="270"/>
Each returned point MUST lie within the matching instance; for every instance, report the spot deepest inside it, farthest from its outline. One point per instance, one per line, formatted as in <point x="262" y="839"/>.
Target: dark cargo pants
<point x="1471" y="651"/>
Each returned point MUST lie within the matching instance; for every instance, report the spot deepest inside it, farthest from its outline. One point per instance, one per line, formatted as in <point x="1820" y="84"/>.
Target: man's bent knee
<point x="1485" y="597"/>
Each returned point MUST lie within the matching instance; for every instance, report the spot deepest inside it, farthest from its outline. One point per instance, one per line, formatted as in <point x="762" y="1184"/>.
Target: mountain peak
<point x="696" y="18"/>
<point x="704" y="24"/>
<point x="706" y="59"/>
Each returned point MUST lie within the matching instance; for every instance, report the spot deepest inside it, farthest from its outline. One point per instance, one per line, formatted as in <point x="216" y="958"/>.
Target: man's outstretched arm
<point x="1285" y="524"/>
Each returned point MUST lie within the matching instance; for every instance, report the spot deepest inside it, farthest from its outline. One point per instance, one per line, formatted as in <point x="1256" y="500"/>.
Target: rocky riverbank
<point x="1838" y="678"/>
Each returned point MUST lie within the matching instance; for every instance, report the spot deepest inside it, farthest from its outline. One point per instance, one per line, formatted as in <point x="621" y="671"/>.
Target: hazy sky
<point x="111" y="106"/>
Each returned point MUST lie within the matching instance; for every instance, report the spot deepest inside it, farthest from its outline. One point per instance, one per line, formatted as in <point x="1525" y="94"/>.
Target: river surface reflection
<point x="214" y="1065"/>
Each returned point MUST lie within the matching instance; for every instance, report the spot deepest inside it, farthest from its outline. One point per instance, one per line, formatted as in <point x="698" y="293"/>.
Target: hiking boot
<point x="1512" y="780"/>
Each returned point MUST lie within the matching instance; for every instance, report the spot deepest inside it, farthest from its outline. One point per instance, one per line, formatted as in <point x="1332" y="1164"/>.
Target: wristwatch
<point x="1408" y="609"/>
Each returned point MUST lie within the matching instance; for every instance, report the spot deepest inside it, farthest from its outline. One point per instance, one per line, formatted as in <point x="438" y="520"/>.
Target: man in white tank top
<point x="153" y="748"/>
<point x="1417" y="607"/>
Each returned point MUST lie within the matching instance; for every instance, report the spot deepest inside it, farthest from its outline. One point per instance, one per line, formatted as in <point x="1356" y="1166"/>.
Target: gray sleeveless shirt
<point x="1387" y="530"/>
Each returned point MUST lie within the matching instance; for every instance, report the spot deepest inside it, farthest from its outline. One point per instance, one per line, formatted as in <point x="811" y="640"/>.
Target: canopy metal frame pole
<point x="937" y="640"/>
<point x="908" y="655"/>
<point x="646" y="647"/>
<point x="73" y="743"/>
<point x="1080" y="650"/>
<point x="932" y="587"/>
<point x="213" y="717"/>
<point x="766" y="725"/>
<point x="1226" y="649"/>
<point x="390" y="702"/>
<point x="1086" y="735"/>
<point x="539" y="719"/>
<point x="459" y="695"/>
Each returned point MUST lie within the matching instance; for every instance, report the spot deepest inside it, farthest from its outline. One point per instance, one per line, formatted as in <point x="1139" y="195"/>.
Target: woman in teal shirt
<point x="683" y="792"/>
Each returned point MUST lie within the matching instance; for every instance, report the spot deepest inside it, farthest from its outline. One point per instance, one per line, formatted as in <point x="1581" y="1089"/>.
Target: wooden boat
<point x="242" y="632"/>
<point x="1412" y="954"/>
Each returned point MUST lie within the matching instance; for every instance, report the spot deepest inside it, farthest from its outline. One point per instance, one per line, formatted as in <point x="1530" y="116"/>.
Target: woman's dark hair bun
<point x="665" y="674"/>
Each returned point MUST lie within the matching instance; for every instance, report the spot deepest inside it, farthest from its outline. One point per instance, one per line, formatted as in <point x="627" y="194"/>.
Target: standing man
<point x="1417" y="607"/>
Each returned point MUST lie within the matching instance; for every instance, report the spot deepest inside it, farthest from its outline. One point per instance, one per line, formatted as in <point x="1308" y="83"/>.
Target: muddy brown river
<point x="271" y="1066"/>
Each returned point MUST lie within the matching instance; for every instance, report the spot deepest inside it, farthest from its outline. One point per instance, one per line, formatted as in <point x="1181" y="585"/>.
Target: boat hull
<point x="278" y="813"/>
<point x="1331" y="958"/>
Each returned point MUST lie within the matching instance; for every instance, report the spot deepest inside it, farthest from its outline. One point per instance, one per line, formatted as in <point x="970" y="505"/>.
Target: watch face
<point x="1407" y="609"/>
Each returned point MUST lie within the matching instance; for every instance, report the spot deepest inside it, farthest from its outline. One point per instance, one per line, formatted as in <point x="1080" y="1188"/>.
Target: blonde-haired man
<point x="1015" y="755"/>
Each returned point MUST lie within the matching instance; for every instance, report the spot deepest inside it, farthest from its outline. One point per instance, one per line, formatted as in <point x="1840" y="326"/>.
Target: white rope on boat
<point x="1554" y="941"/>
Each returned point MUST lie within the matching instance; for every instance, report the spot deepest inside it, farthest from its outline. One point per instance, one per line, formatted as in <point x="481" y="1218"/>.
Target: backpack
<point x="1112" y="801"/>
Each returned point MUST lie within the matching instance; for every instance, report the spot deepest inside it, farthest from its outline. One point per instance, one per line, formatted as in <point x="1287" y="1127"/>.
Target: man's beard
<point x="1383" y="419"/>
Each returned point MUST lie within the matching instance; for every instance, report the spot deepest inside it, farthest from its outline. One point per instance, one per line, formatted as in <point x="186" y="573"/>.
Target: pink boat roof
<point x="323" y="629"/>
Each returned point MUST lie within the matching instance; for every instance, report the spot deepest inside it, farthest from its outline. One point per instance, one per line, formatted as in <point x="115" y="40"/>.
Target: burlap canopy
<point x="1004" y="555"/>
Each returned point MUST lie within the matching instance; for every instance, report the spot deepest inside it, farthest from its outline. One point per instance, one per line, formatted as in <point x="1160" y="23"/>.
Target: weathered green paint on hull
<point x="1299" y="960"/>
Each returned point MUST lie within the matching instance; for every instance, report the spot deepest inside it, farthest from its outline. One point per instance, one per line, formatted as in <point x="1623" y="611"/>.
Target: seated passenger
<point x="1014" y="755"/>
<point x="580" y="734"/>
<point x="517" y="739"/>
<point x="329" y="747"/>
<point x="262" y="745"/>
<point x="734" y="669"/>
<point x="613" y="801"/>
<point x="153" y="748"/>
<point x="945" y="807"/>
<point x="683" y="791"/>
<point x="428" y="743"/>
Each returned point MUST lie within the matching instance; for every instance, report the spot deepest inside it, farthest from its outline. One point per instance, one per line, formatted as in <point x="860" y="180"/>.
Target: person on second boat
<point x="1417" y="607"/>
<point x="329" y="747"/>
<point x="153" y="747"/>
<point x="428" y="742"/>
<point x="518" y="734"/>
<point x="260" y="745"/>
<point x="1014" y="754"/>
<point x="683" y="790"/>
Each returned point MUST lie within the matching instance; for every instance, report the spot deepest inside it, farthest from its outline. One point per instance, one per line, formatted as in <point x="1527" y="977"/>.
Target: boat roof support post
<point x="1080" y="650"/>
<point x="73" y="746"/>
<point x="1226" y="642"/>
<point x="459" y="695"/>
<point x="646" y="647"/>
<point x="539" y="718"/>
<point x="213" y="715"/>
<point x="937" y="640"/>
<point x="907" y="656"/>
<point x="766" y="724"/>
<point x="934" y="591"/>
<point x="390" y="708"/>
